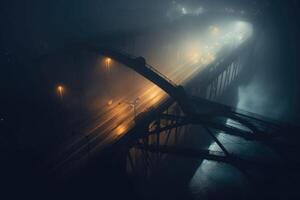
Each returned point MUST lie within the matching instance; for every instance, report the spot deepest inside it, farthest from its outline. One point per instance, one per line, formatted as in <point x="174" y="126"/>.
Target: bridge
<point x="153" y="128"/>
<point x="191" y="104"/>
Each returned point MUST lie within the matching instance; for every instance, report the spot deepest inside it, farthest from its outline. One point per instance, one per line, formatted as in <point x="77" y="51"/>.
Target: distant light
<point x="110" y="102"/>
<point x="183" y="11"/>
<point x="191" y="11"/>
<point x="60" y="90"/>
<point x="107" y="63"/>
<point x="243" y="31"/>
<point x="108" y="60"/>
<point x="120" y="129"/>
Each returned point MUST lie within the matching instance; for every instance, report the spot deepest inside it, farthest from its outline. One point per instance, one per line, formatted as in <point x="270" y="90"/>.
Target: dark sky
<point x="36" y="26"/>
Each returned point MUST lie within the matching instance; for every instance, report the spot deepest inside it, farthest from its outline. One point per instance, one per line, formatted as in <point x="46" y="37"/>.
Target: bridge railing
<point x="124" y="53"/>
<point x="219" y="75"/>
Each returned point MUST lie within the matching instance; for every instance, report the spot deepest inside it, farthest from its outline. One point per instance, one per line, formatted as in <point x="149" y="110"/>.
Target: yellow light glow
<point x="120" y="129"/>
<point x="60" y="90"/>
<point x="108" y="60"/>
<point x="110" y="102"/>
<point x="107" y="63"/>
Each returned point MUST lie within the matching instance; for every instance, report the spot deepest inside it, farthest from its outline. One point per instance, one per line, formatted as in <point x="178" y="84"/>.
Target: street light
<point x="107" y="63"/>
<point x="60" y="90"/>
<point x="110" y="102"/>
<point x="120" y="129"/>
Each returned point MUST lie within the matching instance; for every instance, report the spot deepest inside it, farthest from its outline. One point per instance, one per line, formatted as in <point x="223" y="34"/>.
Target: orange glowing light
<point x="110" y="102"/>
<point x="108" y="60"/>
<point x="107" y="63"/>
<point x="60" y="90"/>
<point x="120" y="129"/>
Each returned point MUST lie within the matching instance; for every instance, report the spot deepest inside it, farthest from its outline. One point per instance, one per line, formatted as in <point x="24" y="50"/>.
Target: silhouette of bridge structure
<point x="153" y="128"/>
<point x="218" y="76"/>
<point x="152" y="134"/>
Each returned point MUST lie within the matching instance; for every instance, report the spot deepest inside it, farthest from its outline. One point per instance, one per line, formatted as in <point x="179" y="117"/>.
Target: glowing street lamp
<point x="110" y="102"/>
<point x="120" y="129"/>
<point x="60" y="90"/>
<point x="107" y="63"/>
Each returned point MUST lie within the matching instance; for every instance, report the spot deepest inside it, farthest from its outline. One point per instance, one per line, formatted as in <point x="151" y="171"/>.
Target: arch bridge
<point x="213" y="82"/>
